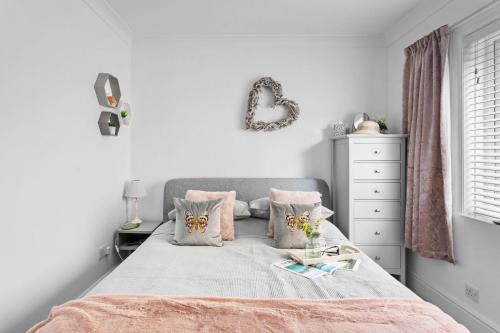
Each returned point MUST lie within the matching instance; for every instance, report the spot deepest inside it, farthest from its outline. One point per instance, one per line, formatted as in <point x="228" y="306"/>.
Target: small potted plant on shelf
<point x="125" y="117"/>
<point x="381" y="123"/>
<point x="112" y="128"/>
<point x="311" y="230"/>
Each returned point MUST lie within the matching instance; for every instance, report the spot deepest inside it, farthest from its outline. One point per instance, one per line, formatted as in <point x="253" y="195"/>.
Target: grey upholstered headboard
<point x="247" y="189"/>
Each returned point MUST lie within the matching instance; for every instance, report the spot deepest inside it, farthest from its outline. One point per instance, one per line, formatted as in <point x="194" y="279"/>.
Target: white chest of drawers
<point x="369" y="189"/>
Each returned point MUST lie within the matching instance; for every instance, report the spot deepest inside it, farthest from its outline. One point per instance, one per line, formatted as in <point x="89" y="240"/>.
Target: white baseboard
<point x="460" y="311"/>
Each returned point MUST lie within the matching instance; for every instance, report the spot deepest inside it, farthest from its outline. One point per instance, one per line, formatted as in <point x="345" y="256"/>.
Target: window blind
<point x="481" y="145"/>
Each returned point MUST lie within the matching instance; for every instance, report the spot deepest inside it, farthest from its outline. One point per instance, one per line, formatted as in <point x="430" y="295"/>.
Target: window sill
<point x="475" y="219"/>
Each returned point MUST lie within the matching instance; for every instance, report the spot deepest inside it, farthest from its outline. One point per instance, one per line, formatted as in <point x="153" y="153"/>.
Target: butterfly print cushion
<point x="289" y="220"/>
<point x="197" y="222"/>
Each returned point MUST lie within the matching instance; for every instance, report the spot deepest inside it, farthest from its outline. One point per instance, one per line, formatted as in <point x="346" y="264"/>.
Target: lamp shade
<point x="135" y="189"/>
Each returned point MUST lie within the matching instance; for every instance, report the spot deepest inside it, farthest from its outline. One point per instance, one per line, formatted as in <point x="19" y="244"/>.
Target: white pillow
<point x="240" y="210"/>
<point x="261" y="203"/>
<point x="260" y="208"/>
<point x="326" y="213"/>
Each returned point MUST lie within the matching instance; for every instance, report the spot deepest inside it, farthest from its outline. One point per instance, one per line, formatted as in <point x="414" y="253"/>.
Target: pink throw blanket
<point x="143" y="313"/>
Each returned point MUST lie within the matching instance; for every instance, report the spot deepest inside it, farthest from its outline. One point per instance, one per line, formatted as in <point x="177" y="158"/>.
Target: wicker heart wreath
<point x="253" y="101"/>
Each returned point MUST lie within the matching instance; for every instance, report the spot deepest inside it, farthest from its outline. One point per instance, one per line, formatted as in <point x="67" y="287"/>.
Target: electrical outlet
<point x="472" y="293"/>
<point x="104" y="251"/>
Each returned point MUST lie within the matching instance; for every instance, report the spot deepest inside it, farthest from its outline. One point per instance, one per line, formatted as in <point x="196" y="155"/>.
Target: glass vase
<point x="312" y="248"/>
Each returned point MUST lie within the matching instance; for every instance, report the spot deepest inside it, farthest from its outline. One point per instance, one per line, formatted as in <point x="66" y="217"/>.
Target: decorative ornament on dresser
<point x="253" y="101"/>
<point x="381" y="123"/>
<point x="358" y="119"/>
<point x="368" y="127"/>
<point x="339" y="129"/>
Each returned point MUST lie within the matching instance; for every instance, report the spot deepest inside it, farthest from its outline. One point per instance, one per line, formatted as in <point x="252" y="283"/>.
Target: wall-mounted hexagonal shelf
<point x="125" y="113"/>
<point x="107" y="90"/>
<point x="109" y="124"/>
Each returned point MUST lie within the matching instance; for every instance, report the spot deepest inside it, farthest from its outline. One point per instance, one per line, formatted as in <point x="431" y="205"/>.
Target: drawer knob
<point x="376" y="171"/>
<point x="376" y="152"/>
<point x="376" y="191"/>
<point x="377" y="258"/>
<point x="377" y="210"/>
<point x="377" y="233"/>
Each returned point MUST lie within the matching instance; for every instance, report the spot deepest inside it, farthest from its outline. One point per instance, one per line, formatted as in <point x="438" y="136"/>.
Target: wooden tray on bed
<point x="346" y="252"/>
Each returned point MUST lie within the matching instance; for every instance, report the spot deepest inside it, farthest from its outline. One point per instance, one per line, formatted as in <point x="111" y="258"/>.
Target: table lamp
<point x="135" y="190"/>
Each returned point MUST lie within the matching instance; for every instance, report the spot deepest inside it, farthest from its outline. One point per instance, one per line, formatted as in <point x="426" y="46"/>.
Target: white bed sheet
<point x="241" y="268"/>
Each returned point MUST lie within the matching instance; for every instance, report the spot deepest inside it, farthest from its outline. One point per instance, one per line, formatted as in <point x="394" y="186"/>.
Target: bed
<point x="243" y="267"/>
<point x="241" y="273"/>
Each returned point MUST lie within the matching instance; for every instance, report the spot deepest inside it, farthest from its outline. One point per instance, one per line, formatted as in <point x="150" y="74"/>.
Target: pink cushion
<point x="290" y="197"/>
<point x="226" y="211"/>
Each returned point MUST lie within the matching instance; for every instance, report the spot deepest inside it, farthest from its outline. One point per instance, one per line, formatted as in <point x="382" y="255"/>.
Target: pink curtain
<point x="425" y="112"/>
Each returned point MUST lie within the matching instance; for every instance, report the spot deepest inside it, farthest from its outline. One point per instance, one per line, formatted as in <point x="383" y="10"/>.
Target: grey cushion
<point x="260" y="208"/>
<point x="260" y="213"/>
<point x="197" y="222"/>
<point x="247" y="189"/>
<point x="240" y="211"/>
<point x="289" y="218"/>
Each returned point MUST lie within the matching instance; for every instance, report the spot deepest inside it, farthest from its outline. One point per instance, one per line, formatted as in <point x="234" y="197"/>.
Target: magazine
<point x="310" y="272"/>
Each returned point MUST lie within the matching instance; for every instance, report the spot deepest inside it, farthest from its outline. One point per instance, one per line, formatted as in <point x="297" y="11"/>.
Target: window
<point x="481" y="125"/>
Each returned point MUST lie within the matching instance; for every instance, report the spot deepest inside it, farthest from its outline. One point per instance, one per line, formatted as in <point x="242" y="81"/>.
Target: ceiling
<point x="147" y="18"/>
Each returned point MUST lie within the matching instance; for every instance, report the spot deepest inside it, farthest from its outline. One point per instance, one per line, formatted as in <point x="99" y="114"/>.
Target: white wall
<point x="61" y="182"/>
<point x="477" y="245"/>
<point x="192" y="95"/>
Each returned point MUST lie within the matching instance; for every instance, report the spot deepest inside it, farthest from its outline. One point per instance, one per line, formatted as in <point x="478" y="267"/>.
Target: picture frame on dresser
<point x="369" y="189"/>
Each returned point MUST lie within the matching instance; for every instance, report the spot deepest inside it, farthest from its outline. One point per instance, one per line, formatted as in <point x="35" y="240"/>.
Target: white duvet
<point x="241" y="268"/>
